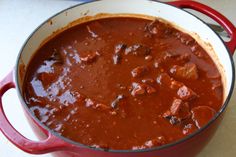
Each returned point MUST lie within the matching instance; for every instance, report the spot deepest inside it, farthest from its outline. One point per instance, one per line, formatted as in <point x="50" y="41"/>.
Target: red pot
<point x="60" y="146"/>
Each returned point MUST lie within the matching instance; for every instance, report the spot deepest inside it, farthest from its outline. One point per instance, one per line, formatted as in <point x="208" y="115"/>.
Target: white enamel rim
<point x="158" y="9"/>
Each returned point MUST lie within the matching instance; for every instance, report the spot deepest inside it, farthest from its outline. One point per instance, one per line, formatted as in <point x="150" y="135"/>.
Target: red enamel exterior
<point x="62" y="148"/>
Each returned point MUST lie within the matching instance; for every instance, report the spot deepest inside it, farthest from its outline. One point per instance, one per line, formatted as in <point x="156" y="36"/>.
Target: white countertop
<point x="18" y="18"/>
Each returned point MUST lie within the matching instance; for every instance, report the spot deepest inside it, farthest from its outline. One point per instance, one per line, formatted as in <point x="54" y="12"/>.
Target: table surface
<point x="18" y="18"/>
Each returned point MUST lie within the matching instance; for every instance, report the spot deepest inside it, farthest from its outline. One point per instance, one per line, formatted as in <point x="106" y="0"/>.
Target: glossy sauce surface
<point x="123" y="83"/>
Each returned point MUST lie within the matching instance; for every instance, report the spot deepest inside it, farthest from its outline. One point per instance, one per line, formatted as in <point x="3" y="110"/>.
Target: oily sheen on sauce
<point x="123" y="83"/>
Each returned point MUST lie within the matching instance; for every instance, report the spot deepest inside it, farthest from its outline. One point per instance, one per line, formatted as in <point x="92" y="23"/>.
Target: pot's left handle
<point x="215" y="15"/>
<point x="50" y="144"/>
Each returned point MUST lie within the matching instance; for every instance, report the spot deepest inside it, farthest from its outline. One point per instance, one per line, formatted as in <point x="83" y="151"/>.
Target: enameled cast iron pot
<point x="52" y="142"/>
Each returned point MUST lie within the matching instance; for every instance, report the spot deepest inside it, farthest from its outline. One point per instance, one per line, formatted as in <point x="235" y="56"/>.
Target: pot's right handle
<point x="218" y="17"/>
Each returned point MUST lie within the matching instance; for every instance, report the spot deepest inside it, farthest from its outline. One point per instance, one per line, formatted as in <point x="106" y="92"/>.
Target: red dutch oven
<point x="173" y="12"/>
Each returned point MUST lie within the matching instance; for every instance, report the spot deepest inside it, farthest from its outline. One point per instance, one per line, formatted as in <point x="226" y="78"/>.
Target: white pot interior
<point x="181" y="19"/>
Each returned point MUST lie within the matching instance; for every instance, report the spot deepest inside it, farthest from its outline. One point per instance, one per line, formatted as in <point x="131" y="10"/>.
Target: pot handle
<point x="218" y="17"/>
<point x="52" y="143"/>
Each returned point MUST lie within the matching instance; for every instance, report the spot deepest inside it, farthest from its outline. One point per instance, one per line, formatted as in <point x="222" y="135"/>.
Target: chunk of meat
<point x="141" y="89"/>
<point x="90" y="58"/>
<point x="118" y="99"/>
<point x="165" y="80"/>
<point x="189" y="129"/>
<point x="155" y="27"/>
<point x="201" y="115"/>
<point x="167" y="56"/>
<point x="167" y="114"/>
<point x="139" y="71"/>
<point x="172" y="119"/>
<point x="186" y="93"/>
<point x="138" y="50"/>
<point x="188" y="71"/>
<point x="138" y="89"/>
<point x="116" y="58"/>
<point x="119" y="48"/>
<point x="183" y="92"/>
<point x="178" y="112"/>
<point x="180" y="109"/>
<point x="175" y="107"/>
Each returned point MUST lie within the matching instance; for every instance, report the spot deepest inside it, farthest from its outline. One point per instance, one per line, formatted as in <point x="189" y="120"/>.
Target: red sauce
<point x="123" y="83"/>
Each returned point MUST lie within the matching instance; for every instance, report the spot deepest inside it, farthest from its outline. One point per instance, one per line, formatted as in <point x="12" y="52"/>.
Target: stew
<point x="123" y="83"/>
